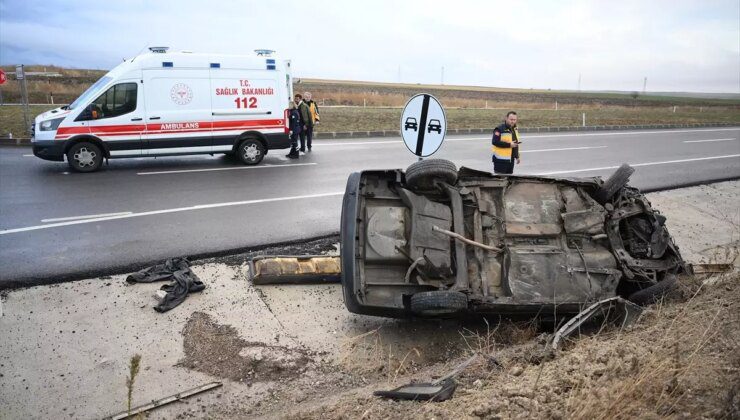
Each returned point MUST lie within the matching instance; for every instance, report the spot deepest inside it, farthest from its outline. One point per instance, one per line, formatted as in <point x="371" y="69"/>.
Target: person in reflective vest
<point x="505" y="145"/>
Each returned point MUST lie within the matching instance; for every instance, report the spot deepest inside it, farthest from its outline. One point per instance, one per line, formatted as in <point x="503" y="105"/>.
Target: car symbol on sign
<point x="411" y="124"/>
<point x="434" y="125"/>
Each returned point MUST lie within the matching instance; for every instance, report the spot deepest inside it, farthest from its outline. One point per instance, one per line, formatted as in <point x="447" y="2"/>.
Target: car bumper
<point x="49" y="150"/>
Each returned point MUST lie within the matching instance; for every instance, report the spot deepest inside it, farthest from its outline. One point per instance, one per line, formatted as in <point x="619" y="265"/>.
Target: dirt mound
<point x="218" y="350"/>
<point x="681" y="360"/>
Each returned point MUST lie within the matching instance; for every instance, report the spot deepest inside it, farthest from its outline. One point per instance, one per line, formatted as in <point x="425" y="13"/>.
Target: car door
<point x="178" y="106"/>
<point x="117" y="118"/>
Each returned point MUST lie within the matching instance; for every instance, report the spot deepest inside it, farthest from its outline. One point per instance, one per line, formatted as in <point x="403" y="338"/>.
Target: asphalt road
<point x="56" y="225"/>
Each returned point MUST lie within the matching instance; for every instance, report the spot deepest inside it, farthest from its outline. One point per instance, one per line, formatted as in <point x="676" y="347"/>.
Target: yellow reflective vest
<point x="502" y="143"/>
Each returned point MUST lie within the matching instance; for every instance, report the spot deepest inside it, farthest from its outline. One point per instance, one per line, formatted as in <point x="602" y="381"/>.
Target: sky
<point x="689" y="45"/>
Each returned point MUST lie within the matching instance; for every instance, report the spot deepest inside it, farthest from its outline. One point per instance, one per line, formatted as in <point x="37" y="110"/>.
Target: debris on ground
<point x="439" y="390"/>
<point x="615" y="311"/>
<point x="294" y="269"/>
<point x="164" y="401"/>
<point x="178" y="271"/>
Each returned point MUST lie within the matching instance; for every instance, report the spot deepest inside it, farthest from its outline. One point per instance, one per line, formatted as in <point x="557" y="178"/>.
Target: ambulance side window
<point x="118" y="100"/>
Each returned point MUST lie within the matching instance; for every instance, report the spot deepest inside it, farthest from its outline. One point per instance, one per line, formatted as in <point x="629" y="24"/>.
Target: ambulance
<point x="165" y="103"/>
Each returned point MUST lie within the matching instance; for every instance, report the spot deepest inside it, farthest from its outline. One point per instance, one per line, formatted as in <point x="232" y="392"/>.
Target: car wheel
<point x="251" y="151"/>
<point x="438" y="303"/>
<point x="85" y="157"/>
<point x="614" y="183"/>
<point x="424" y="173"/>
<point x="655" y="292"/>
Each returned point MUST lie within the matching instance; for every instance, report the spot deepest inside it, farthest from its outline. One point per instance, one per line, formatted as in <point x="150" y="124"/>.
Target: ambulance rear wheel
<point x="251" y="151"/>
<point x="85" y="157"/>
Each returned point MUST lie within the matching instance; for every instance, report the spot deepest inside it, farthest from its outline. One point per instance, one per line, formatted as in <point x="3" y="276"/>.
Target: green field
<point x="372" y="119"/>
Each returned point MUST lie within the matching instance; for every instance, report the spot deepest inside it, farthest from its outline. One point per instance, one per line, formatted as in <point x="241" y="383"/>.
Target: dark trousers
<point x="303" y="140"/>
<point x="503" y="166"/>
<point x="309" y="137"/>
<point x="294" y="143"/>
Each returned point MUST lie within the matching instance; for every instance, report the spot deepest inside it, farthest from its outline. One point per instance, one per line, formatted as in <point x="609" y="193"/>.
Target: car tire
<point x="84" y="157"/>
<point x="438" y="303"/>
<point x="251" y="151"/>
<point x="654" y="293"/>
<point x="614" y="183"/>
<point x="424" y="173"/>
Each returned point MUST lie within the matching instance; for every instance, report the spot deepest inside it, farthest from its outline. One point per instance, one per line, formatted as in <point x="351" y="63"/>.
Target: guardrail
<point x="24" y="141"/>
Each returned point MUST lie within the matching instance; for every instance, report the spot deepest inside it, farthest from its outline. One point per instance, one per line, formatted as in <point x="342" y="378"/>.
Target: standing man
<point x="313" y="108"/>
<point x="505" y="145"/>
<point x="306" y="122"/>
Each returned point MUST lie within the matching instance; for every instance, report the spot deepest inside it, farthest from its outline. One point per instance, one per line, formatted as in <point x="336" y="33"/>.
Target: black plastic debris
<point x="176" y="270"/>
<point x="421" y="391"/>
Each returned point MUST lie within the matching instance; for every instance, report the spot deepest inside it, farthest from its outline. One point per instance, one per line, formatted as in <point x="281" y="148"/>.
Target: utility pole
<point x="644" y="85"/>
<point x="443" y="75"/>
<point x="579" y="81"/>
<point x="399" y="73"/>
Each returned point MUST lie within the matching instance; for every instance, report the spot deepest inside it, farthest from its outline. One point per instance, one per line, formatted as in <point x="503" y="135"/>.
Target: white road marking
<point x="530" y="136"/>
<point x="27" y="155"/>
<point x="708" y="140"/>
<point x="90" y="216"/>
<point x="640" y="164"/>
<point x="166" y="211"/>
<point x="564" y="148"/>
<point x="230" y="168"/>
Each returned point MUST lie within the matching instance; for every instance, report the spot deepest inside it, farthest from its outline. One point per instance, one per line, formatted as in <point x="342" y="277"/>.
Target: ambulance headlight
<point x="51" y="125"/>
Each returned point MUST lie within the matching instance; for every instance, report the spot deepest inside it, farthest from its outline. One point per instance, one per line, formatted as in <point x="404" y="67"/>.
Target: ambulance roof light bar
<point x="264" y="53"/>
<point x="159" y="50"/>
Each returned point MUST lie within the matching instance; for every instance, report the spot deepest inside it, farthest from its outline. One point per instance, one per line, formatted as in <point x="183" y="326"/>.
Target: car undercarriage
<point x="435" y="241"/>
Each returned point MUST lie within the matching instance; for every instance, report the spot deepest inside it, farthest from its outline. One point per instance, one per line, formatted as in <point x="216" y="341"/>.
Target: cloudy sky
<point x="678" y="45"/>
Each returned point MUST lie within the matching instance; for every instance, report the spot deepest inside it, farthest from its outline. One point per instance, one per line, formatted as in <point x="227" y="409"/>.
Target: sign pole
<point x="20" y="75"/>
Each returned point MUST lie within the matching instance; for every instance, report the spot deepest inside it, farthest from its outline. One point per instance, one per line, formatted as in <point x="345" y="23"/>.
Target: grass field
<point x="371" y="119"/>
<point x="466" y="106"/>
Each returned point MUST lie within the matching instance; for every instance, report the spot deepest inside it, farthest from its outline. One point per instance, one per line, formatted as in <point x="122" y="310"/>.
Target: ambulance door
<point x="178" y="106"/>
<point x="243" y="100"/>
<point x="117" y="118"/>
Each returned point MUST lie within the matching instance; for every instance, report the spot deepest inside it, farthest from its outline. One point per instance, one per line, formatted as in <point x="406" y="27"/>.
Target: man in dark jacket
<point x="294" y="121"/>
<point x="306" y="122"/>
<point x="505" y="145"/>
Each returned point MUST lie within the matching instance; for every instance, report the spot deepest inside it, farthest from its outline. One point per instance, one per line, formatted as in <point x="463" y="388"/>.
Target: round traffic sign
<point x="3" y="78"/>
<point x="423" y="125"/>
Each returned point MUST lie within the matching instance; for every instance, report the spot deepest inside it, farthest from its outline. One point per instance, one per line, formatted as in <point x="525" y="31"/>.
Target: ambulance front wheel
<point x="85" y="157"/>
<point x="251" y="151"/>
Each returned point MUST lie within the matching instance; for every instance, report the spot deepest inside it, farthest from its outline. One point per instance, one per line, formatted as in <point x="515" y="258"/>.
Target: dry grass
<point x="370" y="119"/>
<point x="369" y="354"/>
<point x="680" y="360"/>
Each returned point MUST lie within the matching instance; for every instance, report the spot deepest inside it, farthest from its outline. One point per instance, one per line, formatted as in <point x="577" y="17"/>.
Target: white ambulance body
<point x="164" y="104"/>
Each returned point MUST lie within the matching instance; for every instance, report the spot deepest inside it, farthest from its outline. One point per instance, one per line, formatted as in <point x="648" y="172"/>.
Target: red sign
<point x="2" y="77"/>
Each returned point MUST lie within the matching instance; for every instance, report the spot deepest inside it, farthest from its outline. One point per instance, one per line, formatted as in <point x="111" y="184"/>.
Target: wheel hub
<point x="251" y="152"/>
<point x="85" y="157"/>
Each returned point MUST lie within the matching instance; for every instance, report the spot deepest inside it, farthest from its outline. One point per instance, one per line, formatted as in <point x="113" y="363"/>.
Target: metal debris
<point x="294" y="269"/>
<point x="158" y="403"/>
<point x="614" y="310"/>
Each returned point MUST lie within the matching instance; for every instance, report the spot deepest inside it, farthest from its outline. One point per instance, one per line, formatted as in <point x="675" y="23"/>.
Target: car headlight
<point x="51" y="125"/>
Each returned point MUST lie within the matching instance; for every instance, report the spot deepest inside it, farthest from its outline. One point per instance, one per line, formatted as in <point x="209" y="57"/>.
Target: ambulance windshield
<point x="92" y="90"/>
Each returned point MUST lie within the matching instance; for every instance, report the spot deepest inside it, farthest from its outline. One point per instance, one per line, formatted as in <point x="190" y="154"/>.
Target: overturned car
<point x="435" y="241"/>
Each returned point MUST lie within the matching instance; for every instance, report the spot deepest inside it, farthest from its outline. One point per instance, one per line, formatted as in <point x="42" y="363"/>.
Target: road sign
<point x="423" y="125"/>
<point x="19" y="74"/>
<point x="3" y="78"/>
